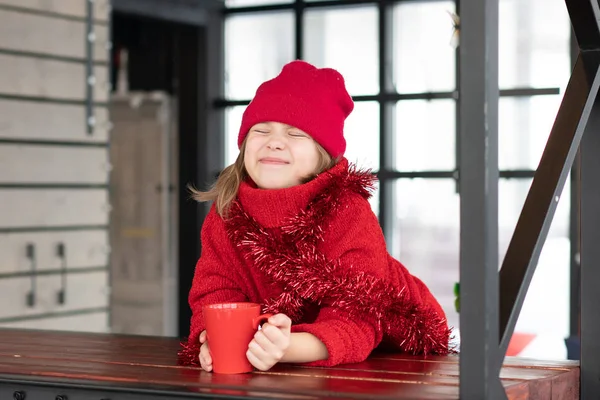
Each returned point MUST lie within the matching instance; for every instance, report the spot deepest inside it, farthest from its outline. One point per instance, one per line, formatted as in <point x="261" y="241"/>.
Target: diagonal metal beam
<point x="585" y="19"/>
<point x="535" y="219"/>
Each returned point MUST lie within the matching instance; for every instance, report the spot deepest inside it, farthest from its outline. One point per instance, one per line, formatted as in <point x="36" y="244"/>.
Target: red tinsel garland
<point x="307" y="275"/>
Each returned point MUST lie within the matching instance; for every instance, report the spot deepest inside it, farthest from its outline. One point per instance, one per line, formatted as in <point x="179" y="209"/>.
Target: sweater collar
<point x="271" y="207"/>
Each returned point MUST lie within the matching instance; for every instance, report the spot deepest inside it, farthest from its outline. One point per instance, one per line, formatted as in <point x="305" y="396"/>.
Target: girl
<point x="291" y="228"/>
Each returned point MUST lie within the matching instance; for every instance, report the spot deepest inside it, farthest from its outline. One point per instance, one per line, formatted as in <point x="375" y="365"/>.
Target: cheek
<point x="249" y="157"/>
<point x="309" y="159"/>
<point x="252" y="147"/>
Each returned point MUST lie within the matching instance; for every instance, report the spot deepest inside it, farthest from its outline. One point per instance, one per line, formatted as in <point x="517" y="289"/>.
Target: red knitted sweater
<point x="316" y="252"/>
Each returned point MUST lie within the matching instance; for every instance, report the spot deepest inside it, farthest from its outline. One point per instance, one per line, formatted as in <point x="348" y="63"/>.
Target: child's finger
<point x="202" y="337"/>
<point x="256" y="361"/>
<point x="205" y="366"/>
<point x="205" y="358"/>
<point x="205" y="351"/>
<point x="275" y="335"/>
<point x="268" y="345"/>
<point x="281" y="321"/>
<point x="262" y="359"/>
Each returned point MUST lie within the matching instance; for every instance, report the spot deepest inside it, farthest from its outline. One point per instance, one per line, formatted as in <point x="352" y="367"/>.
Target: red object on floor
<point x="518" y="342"/>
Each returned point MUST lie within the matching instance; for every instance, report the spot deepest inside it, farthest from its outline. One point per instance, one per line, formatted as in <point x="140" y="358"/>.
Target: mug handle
<point x="261" y="319"/>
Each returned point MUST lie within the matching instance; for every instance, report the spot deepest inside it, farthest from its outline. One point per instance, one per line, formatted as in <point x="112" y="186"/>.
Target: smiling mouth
<point x="273" y="161"/>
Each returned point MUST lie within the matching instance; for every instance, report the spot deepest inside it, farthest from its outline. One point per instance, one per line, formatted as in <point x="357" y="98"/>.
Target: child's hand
<point x="270" y="343"/>
<point x="205" y="358"/>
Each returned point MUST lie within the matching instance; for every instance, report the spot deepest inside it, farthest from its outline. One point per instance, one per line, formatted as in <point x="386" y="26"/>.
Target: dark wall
<point x="151" y="48"/>
<point x="192" y="133"/>
<point x="169" y="56"/>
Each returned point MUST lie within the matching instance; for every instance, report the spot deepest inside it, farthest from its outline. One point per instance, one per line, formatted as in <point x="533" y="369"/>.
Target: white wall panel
<point x="54" y="28"/>
<point x="30" y="32"/>
<point x="47" y="121"/>
<point x="85" y="290"/>
<point x="41" y="164"/>
<point x="30" y="207"/>
<point x="27" y="76"/>
<point x="89" y="248"/>
<point x="94" y="322"/>
<point x="74" y="8"/>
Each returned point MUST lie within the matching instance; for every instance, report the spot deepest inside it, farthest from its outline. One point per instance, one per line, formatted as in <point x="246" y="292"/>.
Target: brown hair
<point x="225" y="189"/>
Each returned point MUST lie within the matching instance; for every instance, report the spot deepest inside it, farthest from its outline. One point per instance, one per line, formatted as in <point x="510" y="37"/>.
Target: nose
<point x="275" y="143"/>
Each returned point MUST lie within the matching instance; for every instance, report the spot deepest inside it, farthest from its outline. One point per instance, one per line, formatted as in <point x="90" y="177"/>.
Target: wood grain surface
<point x="141" y="362"/>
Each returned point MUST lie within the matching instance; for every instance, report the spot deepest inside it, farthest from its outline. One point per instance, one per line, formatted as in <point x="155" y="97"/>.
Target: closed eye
<point x="297" y="134"/>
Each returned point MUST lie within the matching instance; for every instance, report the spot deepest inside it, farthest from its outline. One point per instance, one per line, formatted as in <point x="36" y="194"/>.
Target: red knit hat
<point x="308" y="98"/>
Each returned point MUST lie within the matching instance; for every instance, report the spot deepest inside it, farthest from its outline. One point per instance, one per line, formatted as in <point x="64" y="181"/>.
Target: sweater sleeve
<point x="355" y="239"/>
<point x="213" y="282"/>
<point x="348" y="340"/>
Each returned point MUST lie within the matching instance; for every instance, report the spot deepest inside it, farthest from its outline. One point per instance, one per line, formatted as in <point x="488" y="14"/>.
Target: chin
<point x="275" y="184"/>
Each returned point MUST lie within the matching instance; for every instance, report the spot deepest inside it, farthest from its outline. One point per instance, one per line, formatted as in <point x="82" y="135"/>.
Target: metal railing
<point x="491" y="301"/>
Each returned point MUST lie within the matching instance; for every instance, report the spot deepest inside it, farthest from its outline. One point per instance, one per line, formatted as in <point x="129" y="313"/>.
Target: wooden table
<point x="47" y="365"/>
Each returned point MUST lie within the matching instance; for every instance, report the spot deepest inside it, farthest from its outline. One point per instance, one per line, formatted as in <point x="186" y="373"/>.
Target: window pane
<point x="245" y="3"/>
<point x="546" y="308"/>
<point x="426" y="240"/>
<point x="426" y="236"/>
<point x="425" y="135"/>
<point x="345" y="39"/>
<point x="424" y="60"/>
<point x="534" y="40"/>
<point x="256" y="48"/>
<point x="524" y="126"/>
<point x="362" y="135"/>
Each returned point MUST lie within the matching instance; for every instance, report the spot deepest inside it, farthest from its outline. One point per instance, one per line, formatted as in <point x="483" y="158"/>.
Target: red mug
<point x="230" y="328"/>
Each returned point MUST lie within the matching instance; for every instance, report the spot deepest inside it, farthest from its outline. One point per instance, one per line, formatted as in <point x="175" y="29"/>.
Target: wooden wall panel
<point x="46" y="121"/>
<point x="71" y="8"/>
<point x="29" y="33"/>
<point x="51" y="164"/>
<point x="31" y="207"/>
<point x="28" y="76"/>
<point x="83" y="291"/>
<point x="92" y="322"/>
<point x="53" y="173"/>
<point x="83" y="249"/>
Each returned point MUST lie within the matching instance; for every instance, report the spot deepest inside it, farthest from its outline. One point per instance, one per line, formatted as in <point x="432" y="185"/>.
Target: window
<point x="416" y="132"/>
<point x="257" y="46"/>
<point x="405" y="123"/>
<point x="534" y="54"/>
<point x="424" y="60"/>
<point x="332" y="37"/>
